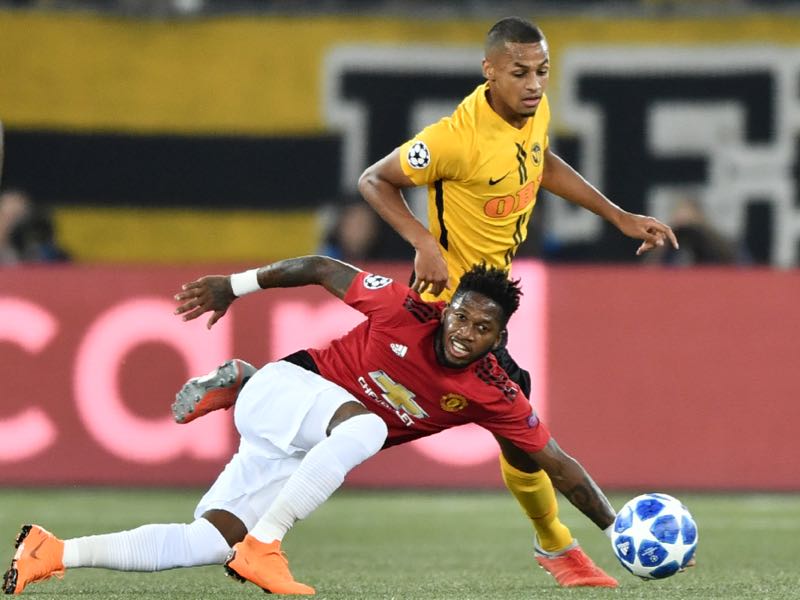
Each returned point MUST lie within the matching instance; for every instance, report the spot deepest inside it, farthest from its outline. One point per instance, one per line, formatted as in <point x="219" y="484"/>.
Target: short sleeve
<point x="376" y="296"/>
<point x="520" y="425"/>
<point x="437" y="152"/>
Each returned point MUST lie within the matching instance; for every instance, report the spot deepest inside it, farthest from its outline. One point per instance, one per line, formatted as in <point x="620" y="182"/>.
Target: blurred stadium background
<point x="166" y="139"/>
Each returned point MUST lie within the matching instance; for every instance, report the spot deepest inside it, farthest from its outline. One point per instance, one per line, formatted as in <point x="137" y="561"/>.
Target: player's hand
<point x="212" y="293"/>
<point x="652" y="231"/>
<point x="430" y="270"/>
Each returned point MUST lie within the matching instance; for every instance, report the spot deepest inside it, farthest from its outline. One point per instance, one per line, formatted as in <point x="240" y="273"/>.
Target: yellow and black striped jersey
<point x="482" y="175"/>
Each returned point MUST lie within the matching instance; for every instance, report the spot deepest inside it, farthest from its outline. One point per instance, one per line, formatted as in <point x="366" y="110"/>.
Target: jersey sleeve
<point x="379" y="298"/>
<point x="437" y="152"/>
<point x="520" y="425"/>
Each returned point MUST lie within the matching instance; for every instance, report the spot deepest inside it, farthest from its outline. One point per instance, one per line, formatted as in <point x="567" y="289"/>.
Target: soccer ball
<point x="654" y="536"/>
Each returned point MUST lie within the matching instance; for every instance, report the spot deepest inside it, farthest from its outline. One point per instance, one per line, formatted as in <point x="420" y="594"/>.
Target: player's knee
<point x="366" y="429"/>
<point x="346" y="411"/>
<point x="377" y="432"/>
<point x="516" y="457"/>
<point x="227" y="524"/>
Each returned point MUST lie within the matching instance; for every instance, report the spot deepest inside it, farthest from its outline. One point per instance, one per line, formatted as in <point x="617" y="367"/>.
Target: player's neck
<point x="514" y="119"/>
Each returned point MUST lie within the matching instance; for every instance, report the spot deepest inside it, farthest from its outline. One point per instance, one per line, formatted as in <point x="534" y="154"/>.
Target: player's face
<point x="471" y="327"/>
<point x="518" y="76"/>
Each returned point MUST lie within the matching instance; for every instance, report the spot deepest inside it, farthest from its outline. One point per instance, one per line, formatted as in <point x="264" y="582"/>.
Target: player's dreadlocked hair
<point x="495" y="285"/>
<point x="515" y="30"/>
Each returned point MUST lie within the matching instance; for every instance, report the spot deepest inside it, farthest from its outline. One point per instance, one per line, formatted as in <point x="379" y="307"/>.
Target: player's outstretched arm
<point x="561" y="179"/>
<point x="381" y="186"/>
<point x="572" y="480"/>
<point x="215" y="293"/>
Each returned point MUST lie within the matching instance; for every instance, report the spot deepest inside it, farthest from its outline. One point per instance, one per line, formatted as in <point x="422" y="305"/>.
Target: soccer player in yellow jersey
<point x="483" y="166"/>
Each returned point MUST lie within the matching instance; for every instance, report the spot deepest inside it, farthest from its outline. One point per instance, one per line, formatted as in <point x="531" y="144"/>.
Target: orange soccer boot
<point x="264" y="565"/>
<point x="218" y="389"/>
<point x="38" y="557"/>
<point x="574" y="568"/>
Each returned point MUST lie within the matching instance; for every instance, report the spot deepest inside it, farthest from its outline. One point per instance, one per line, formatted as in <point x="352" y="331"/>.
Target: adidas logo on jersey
<point x="399" y="349"/>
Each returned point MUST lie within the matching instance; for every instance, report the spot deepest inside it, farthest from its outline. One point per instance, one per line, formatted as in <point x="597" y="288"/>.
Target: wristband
<point x="609" y="531"/>
<point x="245" y="283"/>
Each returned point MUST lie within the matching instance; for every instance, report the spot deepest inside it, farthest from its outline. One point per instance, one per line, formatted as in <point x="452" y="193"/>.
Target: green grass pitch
<point x="377" y="545"/>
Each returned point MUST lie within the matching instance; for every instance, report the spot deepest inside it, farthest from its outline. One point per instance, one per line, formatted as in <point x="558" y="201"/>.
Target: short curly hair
<point x="495" y="285"/>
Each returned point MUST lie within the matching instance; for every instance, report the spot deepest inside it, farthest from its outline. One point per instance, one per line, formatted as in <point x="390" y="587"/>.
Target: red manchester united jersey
<point x="389" y="363"/>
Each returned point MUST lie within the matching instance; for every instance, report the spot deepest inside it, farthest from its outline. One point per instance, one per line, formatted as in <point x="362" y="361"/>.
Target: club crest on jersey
<point x="453" y="402"/>
<point x="418" y="155"/>
<point x="398" y="349"/>
<point x="376" y="282"/>
<point x="536" y="154"/>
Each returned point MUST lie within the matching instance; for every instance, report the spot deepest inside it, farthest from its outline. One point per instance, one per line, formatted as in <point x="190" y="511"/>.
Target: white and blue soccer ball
<point x="654" y="536"/>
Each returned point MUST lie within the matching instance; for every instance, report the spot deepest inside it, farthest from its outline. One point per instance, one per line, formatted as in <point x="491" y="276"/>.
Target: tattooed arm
<point x="215" y="293"/>
<point x="572" y="480"/>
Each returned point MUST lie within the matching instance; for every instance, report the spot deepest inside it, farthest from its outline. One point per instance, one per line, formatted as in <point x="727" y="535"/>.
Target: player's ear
<point x="488" y="69"/>
<point x="500" y="337"/>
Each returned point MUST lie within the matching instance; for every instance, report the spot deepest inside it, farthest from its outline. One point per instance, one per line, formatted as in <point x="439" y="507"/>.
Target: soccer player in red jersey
<point x="411" y="369"/>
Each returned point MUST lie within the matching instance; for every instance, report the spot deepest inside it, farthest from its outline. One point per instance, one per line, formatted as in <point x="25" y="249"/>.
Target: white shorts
<point x="282" y="412"/>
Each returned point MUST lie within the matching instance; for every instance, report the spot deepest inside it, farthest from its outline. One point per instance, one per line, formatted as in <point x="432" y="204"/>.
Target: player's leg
<point x="569" y="565"/>
<point x="526" y="480"/>
<point x="241" y="493"/>
<point x="154" y="547"/>
<point x="329" y="430"/>
<point x="534" y="491"/>
<point x="355" y="435"/>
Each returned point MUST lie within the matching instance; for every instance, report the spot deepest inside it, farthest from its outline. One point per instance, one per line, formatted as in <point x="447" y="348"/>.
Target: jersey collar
<point x="495" y="120"/>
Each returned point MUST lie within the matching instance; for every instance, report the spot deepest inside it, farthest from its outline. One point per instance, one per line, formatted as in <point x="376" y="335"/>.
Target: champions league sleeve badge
<point x="419" y="156"/>
<point x="376" y="282"/>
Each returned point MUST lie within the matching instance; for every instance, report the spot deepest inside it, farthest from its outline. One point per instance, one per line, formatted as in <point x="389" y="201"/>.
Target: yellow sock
<point x="536" y="496"/>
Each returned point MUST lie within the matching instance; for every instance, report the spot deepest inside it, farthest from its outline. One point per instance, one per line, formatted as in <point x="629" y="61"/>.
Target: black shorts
<point x="302" y="359"/>
<point x="517" y="374"/>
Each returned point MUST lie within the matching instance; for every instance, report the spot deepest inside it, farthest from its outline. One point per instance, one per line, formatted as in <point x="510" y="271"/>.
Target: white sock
<point x="320" y="473"/>
<point x="149" y="548"/>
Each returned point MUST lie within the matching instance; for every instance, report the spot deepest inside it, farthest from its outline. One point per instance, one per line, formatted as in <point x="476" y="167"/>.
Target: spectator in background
<point x="1" y="151"/>
<point x="34" y="238"/>
<point x="353" y="234"/>
<point x="701" y="243"/>
<point x="27" y="233"/>
<point x="15" y="205"/>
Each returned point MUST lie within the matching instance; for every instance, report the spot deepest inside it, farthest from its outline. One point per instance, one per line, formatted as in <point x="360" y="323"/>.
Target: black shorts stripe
<point x="522" y="169"/>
